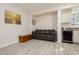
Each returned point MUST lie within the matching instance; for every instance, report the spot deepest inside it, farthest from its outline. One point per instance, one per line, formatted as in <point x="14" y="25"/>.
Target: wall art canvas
<point x="33" y="22"/>
<point x="12" y="17"/>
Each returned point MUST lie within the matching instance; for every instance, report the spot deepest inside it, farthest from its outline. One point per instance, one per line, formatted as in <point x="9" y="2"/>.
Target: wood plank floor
<point x="40" y="47"/>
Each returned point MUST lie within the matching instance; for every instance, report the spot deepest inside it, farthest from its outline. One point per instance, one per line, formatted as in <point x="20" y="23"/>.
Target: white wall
<point x="47" y="21"/>
<point x="54" y="21"/>
<point x="66" y="15"/>
<point x="44" y="22"/>
<point x="66" y="18"/>
<point x="9" y="32"/>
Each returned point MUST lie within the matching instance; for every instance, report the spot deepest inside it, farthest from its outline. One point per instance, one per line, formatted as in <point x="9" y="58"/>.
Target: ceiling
<point x="36" y="7"/>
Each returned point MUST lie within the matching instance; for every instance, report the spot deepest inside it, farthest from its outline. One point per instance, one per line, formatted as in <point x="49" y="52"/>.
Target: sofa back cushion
<point x="42" y="31"/>
<point x="37" y="31"/>
<point x="52" y="32"/>
<point x="47" y="32"/>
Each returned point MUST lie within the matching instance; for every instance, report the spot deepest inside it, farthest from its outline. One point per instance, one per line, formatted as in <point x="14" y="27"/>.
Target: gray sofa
<point x="49" y="35"/>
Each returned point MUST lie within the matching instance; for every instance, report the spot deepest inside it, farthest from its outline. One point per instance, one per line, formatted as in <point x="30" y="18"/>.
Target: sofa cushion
<point x="37" y="31"/>
<point x="42" y="31"/>
<point x="47" y="32"/>
<point x="52" y="32"/>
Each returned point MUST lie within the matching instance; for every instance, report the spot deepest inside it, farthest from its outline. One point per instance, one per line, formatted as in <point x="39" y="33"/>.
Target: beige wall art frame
<point x="33" y="22"/>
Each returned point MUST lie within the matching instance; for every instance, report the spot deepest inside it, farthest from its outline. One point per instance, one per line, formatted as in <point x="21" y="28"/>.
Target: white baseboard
<point x="8" y="44"/>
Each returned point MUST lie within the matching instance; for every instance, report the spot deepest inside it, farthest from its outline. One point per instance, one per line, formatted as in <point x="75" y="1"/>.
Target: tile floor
<point x="40" y="47"/>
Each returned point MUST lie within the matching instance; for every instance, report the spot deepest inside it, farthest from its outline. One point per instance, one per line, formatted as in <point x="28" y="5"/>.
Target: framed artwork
<point x="12" y="18"/>
<point x="33" y="22"/>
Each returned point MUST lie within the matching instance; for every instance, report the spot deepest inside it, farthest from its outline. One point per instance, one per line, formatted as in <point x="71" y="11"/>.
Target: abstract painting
<point x="12" y="18"/>
<point x="33" y="22"/>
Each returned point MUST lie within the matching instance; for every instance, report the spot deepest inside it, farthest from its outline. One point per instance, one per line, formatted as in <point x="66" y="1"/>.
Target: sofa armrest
<point x="54" y="35"/>
<point x="33" y="32"/>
